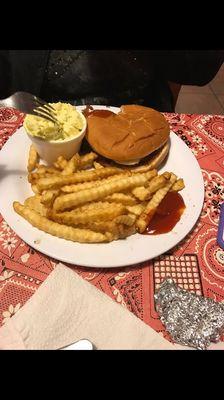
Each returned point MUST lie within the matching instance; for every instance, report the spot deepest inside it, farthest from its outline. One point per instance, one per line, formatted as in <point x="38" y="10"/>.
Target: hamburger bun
<point x="154" y="160"/>
<point x="129" y="136"/>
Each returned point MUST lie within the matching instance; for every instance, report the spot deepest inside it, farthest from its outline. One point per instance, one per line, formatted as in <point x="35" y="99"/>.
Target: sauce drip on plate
<point x="99" y="113"/>
<point x="167" y="215"/>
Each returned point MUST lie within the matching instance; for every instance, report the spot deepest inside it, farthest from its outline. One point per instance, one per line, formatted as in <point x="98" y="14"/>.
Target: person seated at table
<point x="109" y="77"/>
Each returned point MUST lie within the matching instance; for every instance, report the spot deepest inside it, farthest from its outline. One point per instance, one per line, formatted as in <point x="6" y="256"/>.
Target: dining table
<point x="195" y="264"/>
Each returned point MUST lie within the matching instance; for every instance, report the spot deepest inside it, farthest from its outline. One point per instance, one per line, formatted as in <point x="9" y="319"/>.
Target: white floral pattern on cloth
<point x="119" y="297"/>
<point x="175" y="118"/>
<point x="219" y="255"/>
<point x="212" y="126"/>
<point x="4" y="227"/>
<point x="197" y="139"/>
<point x="121" y="275"/>
<point x="195" y="152"/>
<point x="25" y="257"/>
<point x="214" y="196"/>
<point x="6" y="275"/>
<point x="8" y="242"/>
<point x="10" y="312"/>
<point x="202" y="147"/>
<point x="190" y="133"/>
<point x="194" y="141"/>
<point x="8" y="238"/>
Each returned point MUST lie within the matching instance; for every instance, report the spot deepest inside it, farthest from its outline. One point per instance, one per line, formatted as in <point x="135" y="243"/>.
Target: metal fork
<point x="30" y="104"/>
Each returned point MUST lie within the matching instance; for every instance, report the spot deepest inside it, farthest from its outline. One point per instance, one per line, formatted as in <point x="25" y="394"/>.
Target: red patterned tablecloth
<point x="196" y="264"/>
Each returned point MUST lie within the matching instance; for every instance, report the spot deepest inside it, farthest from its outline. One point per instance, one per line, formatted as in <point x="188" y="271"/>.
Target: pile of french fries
<point x="83" y="201"/>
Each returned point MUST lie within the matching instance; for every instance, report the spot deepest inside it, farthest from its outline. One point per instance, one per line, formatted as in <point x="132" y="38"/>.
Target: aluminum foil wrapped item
<point x="191" y="320"/>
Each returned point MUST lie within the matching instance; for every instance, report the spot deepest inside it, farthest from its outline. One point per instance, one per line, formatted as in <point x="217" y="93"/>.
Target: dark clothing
<point x="110" y="77"/>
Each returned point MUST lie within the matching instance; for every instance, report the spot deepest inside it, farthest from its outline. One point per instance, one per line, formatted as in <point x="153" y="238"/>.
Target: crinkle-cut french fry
<point x="87" y="160"/>
<point x="110" y="237"/>
<point x="30" y="178"/>
<point x="98" y="214"/>
<point x="97" y="165"/>
<point x="70" y="200"/>
<point x="79" y="186"/>
<point x="95" y="205"/>
<point x="122" y="198"/>
<point x="151" y="207"/>
<point x="141" y="193"/>
<point x="178" y="185"/>
<point x="72" y="165"/>
<point x="117" y="231"/>
<point x="155" y="184"/>
<point x="61" y="231"/>
<point x="102" y="226"/>
<point x="60" y="163"/>
<point x="166" y="175"/>
<point x="32" y="159"/>
<point x="49" y="196"/>
<point x="126" y="231"/>
<point x="123" y="232"/>
<point x="128" y="219"/>
<point x="158" y="183"/>
<point x="55" y="182"/>
<point x="136" y="210"/>
<point x="42" y="170"/>
<point x="149" y="175"/>
<point x="33" y="177"/>
<point x="92" y="206"/>
<point x="34" y="189"/>
<point x="34" y="203"/>
<point x="87" y="185"/>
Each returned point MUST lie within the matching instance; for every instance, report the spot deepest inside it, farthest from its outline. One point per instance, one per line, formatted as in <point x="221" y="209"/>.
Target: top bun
<point x="133" y="133"/>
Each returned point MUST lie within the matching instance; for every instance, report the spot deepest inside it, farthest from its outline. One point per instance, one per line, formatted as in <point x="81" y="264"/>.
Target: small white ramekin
<point x="50" y="150"/>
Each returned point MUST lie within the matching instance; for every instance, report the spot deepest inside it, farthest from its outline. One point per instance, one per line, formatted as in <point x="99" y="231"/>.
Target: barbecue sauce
<point x="167" y="215"/>
<point x="98" y="113"/>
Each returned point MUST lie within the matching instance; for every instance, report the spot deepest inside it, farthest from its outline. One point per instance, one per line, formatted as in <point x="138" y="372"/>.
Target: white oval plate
<point x="134" y="249"/>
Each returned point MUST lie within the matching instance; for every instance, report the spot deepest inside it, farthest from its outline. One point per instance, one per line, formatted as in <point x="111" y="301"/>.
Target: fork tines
<point x="45" y="110"/>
